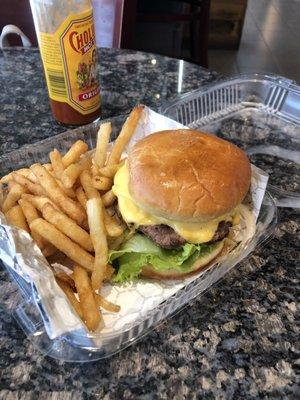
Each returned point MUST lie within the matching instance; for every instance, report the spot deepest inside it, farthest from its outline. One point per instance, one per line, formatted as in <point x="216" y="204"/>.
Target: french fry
<point x="63" y="243"/>
<point x="73" y="171"/>
<point x="114" y="243"/>
<point x="49" y="250"/>
<point x="31" y="187"/>
<point x="29" y="210"/>
<point x="107" y="305"/>
<point x="94" y="170"/>
<point x="81" y="197"/>
<point x="1" y="195"/>
<point x="91" y="314"/>
<point x="70" y="296"/>
<point x="38" y="201"/>
<point x="108" y="198"/>
<point x="103" y="137"/>
<point x="67" y="195"/>
<point x="87" y="184"/>
<point x="13" y="196"/>
<point x="23" y="171"/>
<point x="95" y="213"/>
<point x="64" y="277"/>
<point x="48" y="167"/>
<point x="6" y="178"/>
<point x="109" y="271"/>
<point x="67" y="226"/>
<point x="85" y="225"/>
<point x="10" y="185"/>
<point x="69" y="192"/>
<point x="16" y="218"/>
<point x="74" y="153"/>
<point x="48" y="182"/>
<point x="110" y="170"/>
<point x="112" y="227"/>
<point x="102" y="182"/>
<point x="110" y="211"/>
<point x="125" y="135"/>
<point x="26" y="172"/>
<point x="32" y="177"/>
<point x="31" y="214"/>
<point x="57" y="163"/>
<point x="9" y="177"/>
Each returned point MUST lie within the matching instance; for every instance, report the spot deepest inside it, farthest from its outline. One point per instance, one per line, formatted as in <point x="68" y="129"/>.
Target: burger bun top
<point x="187" y="175"/>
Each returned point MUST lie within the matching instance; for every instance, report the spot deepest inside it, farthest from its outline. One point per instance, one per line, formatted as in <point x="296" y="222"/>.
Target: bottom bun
<point x="203" y="262"/>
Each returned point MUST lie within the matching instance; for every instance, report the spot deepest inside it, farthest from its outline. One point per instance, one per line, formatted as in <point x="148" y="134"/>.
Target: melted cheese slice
<point x="193" y="232"/>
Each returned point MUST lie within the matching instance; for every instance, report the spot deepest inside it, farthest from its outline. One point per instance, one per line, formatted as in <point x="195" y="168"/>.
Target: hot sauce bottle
<point x="66" y="36"/>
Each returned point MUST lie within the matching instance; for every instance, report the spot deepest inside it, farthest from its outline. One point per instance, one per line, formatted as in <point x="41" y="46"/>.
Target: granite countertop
<point x="239" y="340"/>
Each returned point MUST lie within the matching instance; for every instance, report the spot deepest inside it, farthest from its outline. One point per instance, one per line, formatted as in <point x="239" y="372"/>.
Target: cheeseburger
<point x="178" y="192"/>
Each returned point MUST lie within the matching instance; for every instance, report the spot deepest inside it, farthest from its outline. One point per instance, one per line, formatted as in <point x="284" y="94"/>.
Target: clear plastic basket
<point x="20" y="299"/>
<point x="260" y="113"/>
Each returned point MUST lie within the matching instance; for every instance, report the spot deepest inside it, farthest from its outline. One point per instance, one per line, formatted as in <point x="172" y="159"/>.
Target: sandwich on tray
<point x="168" y="208"/>
<point x="179" y="192"/>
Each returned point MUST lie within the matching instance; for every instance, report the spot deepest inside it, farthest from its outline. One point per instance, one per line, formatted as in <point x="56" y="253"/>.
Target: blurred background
<point x="229" y="36"/>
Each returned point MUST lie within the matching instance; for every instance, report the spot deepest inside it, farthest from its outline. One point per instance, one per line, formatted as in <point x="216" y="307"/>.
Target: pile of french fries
<point x="67" y="207"/>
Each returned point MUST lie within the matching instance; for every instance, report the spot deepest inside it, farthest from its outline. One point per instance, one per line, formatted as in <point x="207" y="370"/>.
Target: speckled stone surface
<point x="239" y="341"/>
<point x="127" y="78"/>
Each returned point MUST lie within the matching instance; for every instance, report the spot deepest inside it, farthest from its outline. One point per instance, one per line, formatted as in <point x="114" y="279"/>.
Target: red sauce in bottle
<point x="66" y="34"/>
<point x="65" y="114"/>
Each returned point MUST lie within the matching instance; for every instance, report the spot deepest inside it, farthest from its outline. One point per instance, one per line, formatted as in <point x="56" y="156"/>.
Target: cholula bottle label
<point x="70" y="62"/>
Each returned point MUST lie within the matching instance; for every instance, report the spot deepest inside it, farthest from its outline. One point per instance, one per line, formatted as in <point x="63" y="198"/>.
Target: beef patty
<point x="221" y="232"/>
<point x="164" y="236"/>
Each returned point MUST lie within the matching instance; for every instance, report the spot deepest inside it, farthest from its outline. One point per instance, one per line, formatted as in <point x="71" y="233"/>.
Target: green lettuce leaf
<point x="139" y="251"/>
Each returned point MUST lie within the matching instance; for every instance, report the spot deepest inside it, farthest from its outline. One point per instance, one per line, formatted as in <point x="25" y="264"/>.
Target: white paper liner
<point x="136" y="299"/>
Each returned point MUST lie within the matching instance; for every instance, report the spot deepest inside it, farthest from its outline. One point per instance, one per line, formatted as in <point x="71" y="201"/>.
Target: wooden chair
<point x="197" y="17"/>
